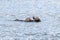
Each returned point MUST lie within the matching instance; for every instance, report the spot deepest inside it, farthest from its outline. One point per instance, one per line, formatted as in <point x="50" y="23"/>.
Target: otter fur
<point x="28" y="20"/>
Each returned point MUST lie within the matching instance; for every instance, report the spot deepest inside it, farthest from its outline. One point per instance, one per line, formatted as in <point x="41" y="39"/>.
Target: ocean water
<point x="47" y="10"/>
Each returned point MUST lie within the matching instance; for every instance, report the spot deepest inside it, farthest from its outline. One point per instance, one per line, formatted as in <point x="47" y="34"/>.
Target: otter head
<point x="36" y="19"/>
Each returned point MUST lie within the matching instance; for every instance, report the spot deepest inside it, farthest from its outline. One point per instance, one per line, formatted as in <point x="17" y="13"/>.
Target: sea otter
<point x="35" y="19"/>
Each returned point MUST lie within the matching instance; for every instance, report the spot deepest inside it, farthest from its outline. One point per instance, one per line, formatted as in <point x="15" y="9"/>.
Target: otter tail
<point x="18" y="20"/>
